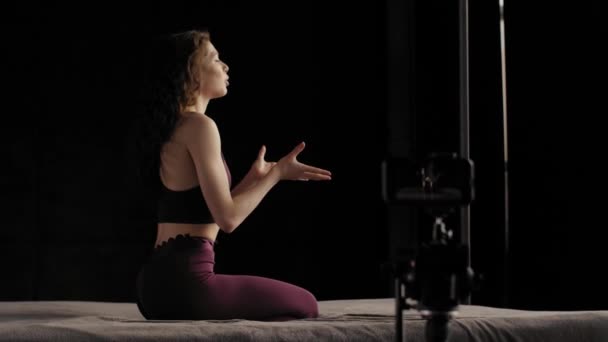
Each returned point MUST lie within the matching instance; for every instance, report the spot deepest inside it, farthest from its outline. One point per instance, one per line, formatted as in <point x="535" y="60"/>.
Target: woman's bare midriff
<point x="169" y="230"/>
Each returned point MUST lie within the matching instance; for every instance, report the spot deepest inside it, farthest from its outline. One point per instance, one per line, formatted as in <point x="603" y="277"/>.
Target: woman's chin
<point x="220" y="93"/>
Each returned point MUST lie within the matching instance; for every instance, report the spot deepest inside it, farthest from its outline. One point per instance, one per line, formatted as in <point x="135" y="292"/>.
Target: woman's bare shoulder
<point x="193" y="126"/>
<point x="196" y="120"/>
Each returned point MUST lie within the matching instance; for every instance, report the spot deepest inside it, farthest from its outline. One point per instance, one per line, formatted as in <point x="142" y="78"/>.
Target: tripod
<point x="436" y="279"/>
<point x="433" y="283"/>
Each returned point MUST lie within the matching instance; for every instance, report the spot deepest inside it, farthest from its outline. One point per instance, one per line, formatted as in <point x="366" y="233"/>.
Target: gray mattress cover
<point x="340" y="320"/>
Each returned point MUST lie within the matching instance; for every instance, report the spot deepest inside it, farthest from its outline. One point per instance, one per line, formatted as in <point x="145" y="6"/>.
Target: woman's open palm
<point x="292" y="169"/>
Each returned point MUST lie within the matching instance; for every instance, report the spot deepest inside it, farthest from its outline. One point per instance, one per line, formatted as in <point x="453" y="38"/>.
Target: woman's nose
<point x="226" y="68"/>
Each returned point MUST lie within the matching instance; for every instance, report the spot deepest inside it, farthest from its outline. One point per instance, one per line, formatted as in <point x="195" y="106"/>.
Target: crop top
<point x="186" y="206"/>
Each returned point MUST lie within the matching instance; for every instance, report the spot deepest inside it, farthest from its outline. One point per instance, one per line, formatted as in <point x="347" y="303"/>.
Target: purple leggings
<point x="178" y="283"/>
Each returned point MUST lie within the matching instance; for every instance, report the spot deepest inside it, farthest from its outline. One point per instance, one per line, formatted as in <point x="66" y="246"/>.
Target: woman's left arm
<point x="258" y="170"/>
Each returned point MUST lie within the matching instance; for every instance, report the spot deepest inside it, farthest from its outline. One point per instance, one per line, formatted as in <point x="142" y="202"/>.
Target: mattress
<point x="339" y="320"/>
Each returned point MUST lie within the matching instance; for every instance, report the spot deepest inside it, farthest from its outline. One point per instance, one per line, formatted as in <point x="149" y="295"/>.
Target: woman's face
<point x="214" y="74"/>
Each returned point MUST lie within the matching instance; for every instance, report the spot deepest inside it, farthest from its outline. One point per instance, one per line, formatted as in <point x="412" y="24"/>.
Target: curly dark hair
<point x="169" y="84"/>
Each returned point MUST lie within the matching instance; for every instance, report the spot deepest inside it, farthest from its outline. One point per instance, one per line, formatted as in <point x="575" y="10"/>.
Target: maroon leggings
<point x="178" y="283"/>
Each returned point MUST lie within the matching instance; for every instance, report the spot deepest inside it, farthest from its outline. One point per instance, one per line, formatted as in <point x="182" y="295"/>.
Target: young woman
<point x="197" y="199"/>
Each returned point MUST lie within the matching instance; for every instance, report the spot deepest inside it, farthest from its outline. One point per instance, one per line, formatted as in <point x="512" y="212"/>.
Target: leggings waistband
<point x="183" y="242"/>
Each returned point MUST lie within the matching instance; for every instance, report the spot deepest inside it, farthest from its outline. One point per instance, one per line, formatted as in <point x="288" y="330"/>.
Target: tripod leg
<point x="399" y="301"/>
<point x="436" y="329"/>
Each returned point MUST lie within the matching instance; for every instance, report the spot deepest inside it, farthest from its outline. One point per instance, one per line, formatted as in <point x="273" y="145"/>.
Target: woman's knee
<point x="308" y="305"/>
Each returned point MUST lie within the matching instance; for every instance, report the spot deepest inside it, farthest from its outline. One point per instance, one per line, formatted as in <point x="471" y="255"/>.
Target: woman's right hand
<point x="291" y="169"/>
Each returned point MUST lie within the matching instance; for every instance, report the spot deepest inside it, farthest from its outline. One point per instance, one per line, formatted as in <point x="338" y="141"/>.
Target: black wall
<point x="557" y="100"/>
<point x="77" y="226"/>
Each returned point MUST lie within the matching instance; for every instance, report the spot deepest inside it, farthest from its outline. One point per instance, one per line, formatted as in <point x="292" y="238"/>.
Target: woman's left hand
<point x="260" y="166"/>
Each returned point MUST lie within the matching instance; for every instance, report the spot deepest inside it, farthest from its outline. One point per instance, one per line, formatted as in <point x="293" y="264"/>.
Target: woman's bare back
<point x="177" y="172"/>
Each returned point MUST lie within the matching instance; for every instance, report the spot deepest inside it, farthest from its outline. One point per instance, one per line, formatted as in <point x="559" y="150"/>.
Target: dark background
<point x="358" y="83"/>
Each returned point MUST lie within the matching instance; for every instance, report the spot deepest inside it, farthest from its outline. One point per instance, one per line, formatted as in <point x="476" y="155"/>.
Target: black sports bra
<point x="186" y="206"/>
